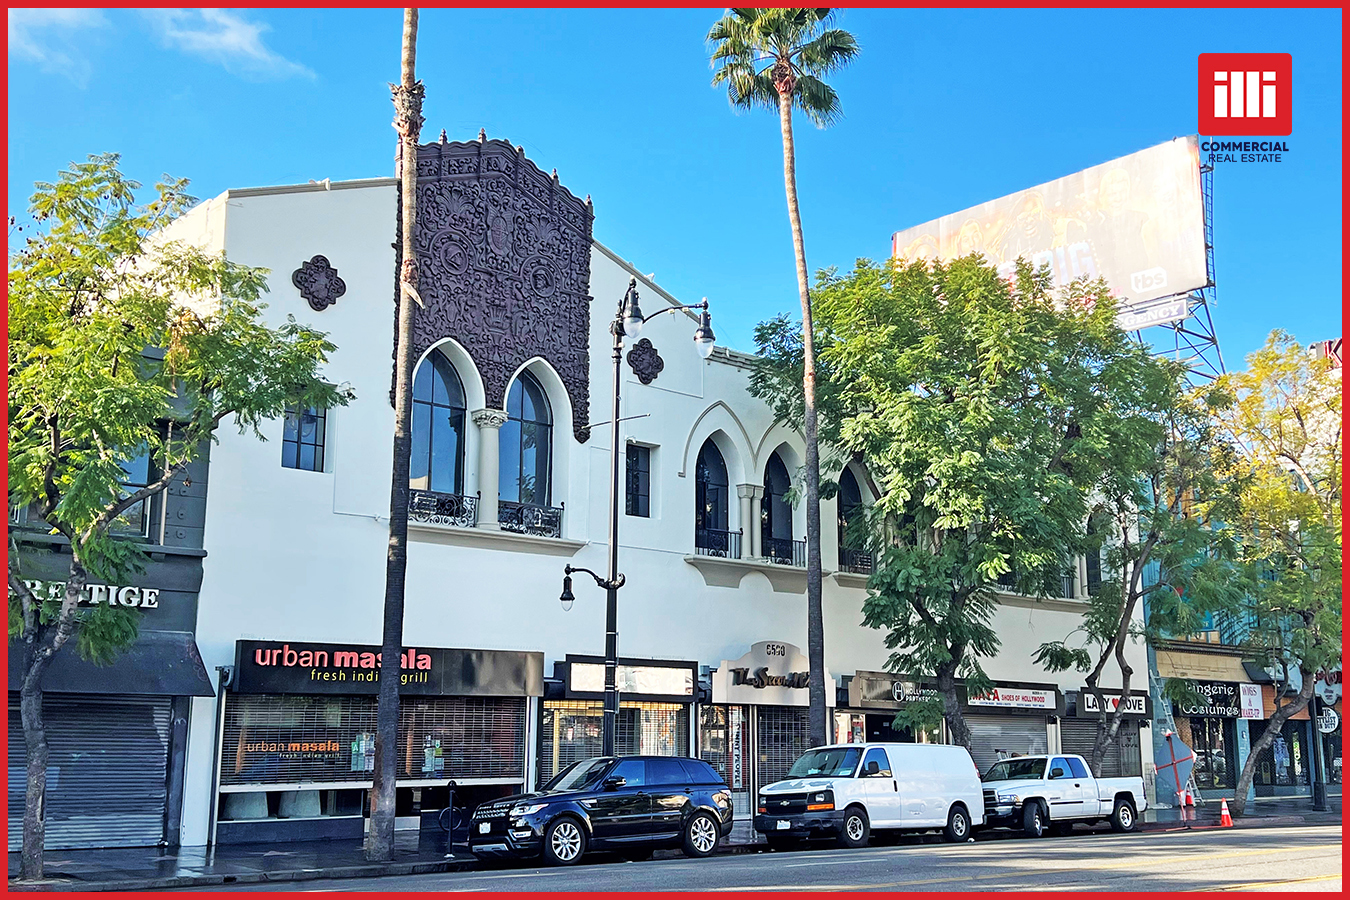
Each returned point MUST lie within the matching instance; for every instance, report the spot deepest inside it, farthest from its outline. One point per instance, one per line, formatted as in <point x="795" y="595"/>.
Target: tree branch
<point x="16" y="584"/>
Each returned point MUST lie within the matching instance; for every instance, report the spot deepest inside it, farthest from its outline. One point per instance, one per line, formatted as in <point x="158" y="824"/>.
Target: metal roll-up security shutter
<point x="994" y="737"/>
<point x="1078" y="735"/>
<point x="287" y="739"/>
<point x="783" y="734"/>
<point x="107" y="772"/>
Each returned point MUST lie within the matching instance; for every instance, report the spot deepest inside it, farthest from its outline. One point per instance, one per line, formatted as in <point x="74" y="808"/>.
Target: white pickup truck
<point x="1036" y="793"/>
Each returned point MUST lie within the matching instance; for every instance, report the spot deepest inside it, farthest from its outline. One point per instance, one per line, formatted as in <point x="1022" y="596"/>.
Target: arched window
<point x="776" y="514"/>
<point x="850" y="505"/>
<point x="853" y="557"/>
<point x="711" y="502"/>
<point x="526" y="444"/>
<point x="437" y="427"/>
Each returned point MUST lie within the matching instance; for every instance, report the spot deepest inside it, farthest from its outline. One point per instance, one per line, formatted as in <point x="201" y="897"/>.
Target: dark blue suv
<point x="628" y="804"/>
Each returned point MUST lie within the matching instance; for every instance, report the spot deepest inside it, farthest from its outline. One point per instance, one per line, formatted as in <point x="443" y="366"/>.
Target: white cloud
<point x="44" y="36"/>
<point x="224" y="38"/>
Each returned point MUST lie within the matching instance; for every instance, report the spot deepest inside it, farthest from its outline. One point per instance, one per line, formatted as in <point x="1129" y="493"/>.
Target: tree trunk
<point x="815" y="617"/>
<point x="40" y="648"/>
<point x="1276" y="724"/>
<point x="408" y="124"/>
<point x="951" y="705"/>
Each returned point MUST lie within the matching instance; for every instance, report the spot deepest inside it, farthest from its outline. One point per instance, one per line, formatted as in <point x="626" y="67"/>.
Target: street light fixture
<point x="628" y="322"/>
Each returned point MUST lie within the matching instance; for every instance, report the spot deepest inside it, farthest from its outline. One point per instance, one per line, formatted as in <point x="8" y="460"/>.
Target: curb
<point x="285" y="875"/>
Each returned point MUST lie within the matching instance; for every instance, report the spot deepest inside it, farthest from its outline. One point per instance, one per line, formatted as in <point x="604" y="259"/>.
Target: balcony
<point x="452" y="519"/>
<point x="718" y="543"/>
<point x="855" y="562"/>
<point x="784" y="551"/>
<point x="526" y="518"/>
<point x="1008" y="582"/>
<point x="435" y="508"/>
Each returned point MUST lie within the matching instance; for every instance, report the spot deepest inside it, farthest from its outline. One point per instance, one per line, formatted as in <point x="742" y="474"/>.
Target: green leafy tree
<point x="980" y="407"/>
<point x="121" y="345"/>
<point x="407" y="95"/>
<point x="1283" y="416"/>
<point x="1157" y="527"/>
<point x="777" y="59"/>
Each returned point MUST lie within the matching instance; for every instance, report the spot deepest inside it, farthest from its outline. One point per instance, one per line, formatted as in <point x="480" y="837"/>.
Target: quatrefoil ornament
<point x="318" y="283"/>
<point x="645" y="361"/>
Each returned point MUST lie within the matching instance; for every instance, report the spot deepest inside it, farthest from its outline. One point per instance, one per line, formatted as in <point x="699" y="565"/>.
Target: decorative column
<point x="751" y="496"/>
<point x="489" y="422"/>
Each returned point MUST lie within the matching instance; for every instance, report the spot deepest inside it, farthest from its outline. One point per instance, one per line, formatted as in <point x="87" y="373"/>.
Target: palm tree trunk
<point x="408" y="123"/>
<point x="815" y="617"/>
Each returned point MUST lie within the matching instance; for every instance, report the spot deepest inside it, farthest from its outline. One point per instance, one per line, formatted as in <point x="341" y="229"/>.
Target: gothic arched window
<point x="526" y="444"/>
<point x="711" y="503"/>
<point x="776" y="517"/>
<point x="437" y="427"/>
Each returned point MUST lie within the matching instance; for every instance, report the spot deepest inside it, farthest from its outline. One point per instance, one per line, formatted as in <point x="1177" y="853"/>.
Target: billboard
<point x="1137" y="221"/>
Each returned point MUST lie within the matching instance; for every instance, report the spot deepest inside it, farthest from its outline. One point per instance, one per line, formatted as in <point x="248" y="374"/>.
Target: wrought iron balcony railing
<point x="715" y="542"/>
<point x="526" y="518"/>
<point x="443" y="509"/>
<point x="1008" y="581"/>
<point x="784" y="551"/>
<point x="857" y="562"/>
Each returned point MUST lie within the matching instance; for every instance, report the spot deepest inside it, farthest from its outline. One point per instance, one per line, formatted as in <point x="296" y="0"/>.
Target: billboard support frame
<point x="1194" y="341"/>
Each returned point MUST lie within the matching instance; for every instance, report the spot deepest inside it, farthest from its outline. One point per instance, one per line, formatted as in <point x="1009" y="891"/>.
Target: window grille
<point x="302" y="438"/>
<point x="784" y="735"/>
<point x="639" y="481"/>
<point x="572" y="730"/>
<point x="285" y="739"/>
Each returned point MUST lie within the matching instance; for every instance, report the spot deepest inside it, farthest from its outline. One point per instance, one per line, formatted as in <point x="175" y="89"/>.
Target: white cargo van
<point x="847" y="791"/>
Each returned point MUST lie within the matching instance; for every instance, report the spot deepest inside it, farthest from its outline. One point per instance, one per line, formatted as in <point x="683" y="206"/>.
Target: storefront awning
<point x="163" y="663"/>
<point x="1200" y="666"/>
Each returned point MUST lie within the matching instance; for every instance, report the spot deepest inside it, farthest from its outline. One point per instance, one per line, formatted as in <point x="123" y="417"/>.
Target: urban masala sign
<point x="289" y="667"/>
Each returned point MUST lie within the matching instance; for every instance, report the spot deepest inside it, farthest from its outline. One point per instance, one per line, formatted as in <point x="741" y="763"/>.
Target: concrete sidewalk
<point x="151" y="868"/>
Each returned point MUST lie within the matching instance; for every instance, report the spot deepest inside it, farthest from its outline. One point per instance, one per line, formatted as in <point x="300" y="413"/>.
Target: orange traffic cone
<point x="1225" y="820"/>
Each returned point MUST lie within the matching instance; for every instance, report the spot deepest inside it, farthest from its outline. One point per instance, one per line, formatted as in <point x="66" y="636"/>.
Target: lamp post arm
<point x="666" y="309"/>
<point x="600" y="582"/>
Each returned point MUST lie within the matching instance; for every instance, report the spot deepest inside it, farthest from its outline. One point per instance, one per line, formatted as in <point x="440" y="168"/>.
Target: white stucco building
<point x="512" y="338"/>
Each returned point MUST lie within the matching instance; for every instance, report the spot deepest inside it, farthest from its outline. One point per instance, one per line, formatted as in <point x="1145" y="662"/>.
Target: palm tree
<point x="408" y="123"/>
<point x="776" y="58"/>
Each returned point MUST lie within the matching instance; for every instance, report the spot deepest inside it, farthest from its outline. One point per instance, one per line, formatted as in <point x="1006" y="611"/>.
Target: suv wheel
<point x="701" y="835"/>
<point x="958" y="825"/>
<point x="1033" y="820"/>
<point x="564" y="842"/>
<point x="854" y="830"/>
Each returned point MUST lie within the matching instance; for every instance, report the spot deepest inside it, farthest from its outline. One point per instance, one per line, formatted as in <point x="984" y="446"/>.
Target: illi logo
<point x="1246" y="94"/>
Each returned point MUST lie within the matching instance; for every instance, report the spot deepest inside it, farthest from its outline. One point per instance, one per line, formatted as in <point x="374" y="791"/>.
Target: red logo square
<point x="1246" y="93"/>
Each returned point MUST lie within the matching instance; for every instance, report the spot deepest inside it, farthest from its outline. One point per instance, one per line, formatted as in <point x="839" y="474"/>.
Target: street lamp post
<point x="628" y="322"/>
<point x="1319" y="782"/>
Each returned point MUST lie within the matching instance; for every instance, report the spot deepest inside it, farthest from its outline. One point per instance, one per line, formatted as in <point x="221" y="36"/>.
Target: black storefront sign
<point x="882" y="690"/>
<point x="292" y="667"/>
<point x="1222" y="700"/>
<point x="1138" y="704"/>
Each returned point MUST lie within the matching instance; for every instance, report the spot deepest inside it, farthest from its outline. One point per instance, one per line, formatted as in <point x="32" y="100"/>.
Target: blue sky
<point x="943" y="109"/>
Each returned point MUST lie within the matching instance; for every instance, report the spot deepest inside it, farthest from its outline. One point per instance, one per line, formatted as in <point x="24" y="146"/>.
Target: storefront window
<point x="723" y="740"/>
<point x="1215" y="745"/>
<point x="1285" y="763"/>
<point x="288" y="739"/>
<point x="572" y="730"/>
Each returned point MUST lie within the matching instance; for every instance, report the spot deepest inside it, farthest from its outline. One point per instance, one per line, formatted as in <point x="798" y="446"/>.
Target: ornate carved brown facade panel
<point x="504" y="265"/>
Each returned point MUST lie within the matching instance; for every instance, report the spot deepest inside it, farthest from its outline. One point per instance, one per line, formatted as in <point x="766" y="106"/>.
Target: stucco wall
<point x="300" y="555"/>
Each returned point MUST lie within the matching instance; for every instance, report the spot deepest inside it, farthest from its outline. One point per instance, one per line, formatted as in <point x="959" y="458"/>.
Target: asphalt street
<point x="1249" y="859"/>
